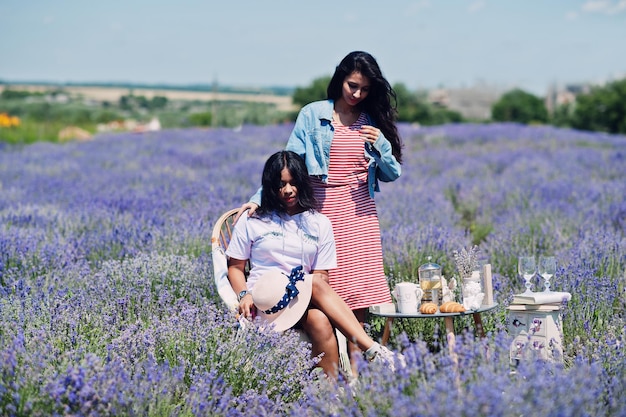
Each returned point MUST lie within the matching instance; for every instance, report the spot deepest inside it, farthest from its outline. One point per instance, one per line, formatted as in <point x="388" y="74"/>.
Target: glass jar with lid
<point x="430" y="281"/>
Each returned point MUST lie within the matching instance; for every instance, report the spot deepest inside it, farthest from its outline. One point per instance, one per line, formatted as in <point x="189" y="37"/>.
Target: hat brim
<point x="290" y="315"/>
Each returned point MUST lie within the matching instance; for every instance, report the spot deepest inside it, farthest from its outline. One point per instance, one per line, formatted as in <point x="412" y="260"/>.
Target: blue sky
<point x="422" y="43"/>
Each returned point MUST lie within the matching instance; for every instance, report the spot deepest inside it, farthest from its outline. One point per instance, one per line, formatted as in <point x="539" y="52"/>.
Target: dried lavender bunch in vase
<point x="466" y="261"/>
<point x="471" y="284"/>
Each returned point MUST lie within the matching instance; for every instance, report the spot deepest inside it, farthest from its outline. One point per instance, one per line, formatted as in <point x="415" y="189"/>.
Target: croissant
<point x="428" y="308"/>
<point x="451" y="307"/>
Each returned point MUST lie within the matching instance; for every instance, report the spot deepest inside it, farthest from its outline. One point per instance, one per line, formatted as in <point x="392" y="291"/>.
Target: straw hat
<point x="281" y="300"/>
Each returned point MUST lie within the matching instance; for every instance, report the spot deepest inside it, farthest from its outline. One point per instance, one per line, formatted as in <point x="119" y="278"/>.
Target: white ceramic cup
<point x="408" y="297"/>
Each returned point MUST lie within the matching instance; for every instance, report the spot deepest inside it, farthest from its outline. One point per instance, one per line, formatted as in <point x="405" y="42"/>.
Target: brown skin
<point x="353" y="348"/>
<point x="355" y="89"/>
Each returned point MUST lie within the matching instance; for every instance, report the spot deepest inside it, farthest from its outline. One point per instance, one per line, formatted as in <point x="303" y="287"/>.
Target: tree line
<point x="42" y="115"/>
<point x="601" y="109"/>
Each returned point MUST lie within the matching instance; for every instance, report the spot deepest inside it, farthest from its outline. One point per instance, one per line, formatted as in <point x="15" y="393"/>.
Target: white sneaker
<point x="389" y="358"/>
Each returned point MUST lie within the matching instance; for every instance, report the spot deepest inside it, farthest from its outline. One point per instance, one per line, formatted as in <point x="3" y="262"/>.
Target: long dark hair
<point x="378" y="103"/>
<point x="271" y="182"/>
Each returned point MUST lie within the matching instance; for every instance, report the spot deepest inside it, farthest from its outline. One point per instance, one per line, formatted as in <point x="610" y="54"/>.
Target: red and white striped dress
<point x="359" y="277"/>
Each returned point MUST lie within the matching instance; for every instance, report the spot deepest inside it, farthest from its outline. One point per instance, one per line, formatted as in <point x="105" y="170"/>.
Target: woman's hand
<point x="237" y="279"/>
<point x="251" y="207"/>
<point x="369" y="133"/>
<point x="246" y="306"/>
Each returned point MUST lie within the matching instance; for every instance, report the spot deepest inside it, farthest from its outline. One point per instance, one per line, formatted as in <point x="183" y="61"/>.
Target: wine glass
<point x="547" y="269"/>
<point x="526" y="267"/>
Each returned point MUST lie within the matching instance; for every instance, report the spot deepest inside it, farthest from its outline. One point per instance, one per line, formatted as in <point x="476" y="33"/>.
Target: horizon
<point x="279" y="90"/>
<point x="104" y="84"/>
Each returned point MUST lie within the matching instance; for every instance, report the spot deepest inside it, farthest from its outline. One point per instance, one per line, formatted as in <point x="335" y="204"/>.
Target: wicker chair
<point x="222" y="232"/>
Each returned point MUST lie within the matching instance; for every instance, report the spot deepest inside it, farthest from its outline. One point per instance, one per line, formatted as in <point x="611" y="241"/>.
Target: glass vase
<point x="472" y="291"/>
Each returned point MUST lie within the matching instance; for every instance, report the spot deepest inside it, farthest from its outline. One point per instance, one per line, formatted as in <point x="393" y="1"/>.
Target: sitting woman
<point x="291" y="247"/>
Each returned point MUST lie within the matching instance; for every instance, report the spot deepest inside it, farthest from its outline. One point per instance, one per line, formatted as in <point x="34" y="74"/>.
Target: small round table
<point x="448" y="318"/>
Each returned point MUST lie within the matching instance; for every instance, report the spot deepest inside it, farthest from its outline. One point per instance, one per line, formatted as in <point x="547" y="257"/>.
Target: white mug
<point x="408" y="296"/>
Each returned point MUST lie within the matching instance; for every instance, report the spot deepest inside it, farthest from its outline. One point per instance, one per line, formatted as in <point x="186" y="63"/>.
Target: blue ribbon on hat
<point x="291" y="291"/>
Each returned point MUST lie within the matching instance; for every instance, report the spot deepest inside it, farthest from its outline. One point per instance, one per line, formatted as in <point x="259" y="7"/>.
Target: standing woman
<point x="350" y="142"/>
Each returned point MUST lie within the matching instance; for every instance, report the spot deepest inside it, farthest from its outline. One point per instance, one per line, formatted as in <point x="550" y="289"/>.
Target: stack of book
<point x="546" y="297"/>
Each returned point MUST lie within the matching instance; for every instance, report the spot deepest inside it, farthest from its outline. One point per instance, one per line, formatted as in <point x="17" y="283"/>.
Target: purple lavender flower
<point x="107" y="305"/>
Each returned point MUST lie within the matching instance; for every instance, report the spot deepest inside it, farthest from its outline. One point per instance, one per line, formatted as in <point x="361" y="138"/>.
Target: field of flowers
<point x="107" y="302"/>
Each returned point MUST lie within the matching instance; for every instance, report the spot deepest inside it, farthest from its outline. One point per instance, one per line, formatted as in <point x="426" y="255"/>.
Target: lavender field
<point x="107" y="303"/>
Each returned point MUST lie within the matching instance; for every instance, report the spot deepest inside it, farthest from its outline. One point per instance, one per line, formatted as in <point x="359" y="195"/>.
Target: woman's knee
<point x="317" y="323"/>
<point x="320" y="287"/>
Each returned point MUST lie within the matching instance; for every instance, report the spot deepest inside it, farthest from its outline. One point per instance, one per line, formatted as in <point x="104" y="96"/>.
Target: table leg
<point x="387" y="331"/>
<point x="450" y="333"/>
<point x="478" y="325"/>
<point x="451" y="342"/>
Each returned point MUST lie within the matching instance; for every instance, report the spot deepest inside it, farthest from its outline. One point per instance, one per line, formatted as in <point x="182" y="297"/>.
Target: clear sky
<point x="421" y="43"/>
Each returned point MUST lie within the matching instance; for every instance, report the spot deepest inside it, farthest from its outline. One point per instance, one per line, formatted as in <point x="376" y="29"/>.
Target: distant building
<point x="474" y="103"/>
<point x="561" y="95"/>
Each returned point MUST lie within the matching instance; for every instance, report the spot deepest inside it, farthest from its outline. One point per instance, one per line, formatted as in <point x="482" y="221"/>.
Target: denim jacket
<point x="311" y="138"/>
